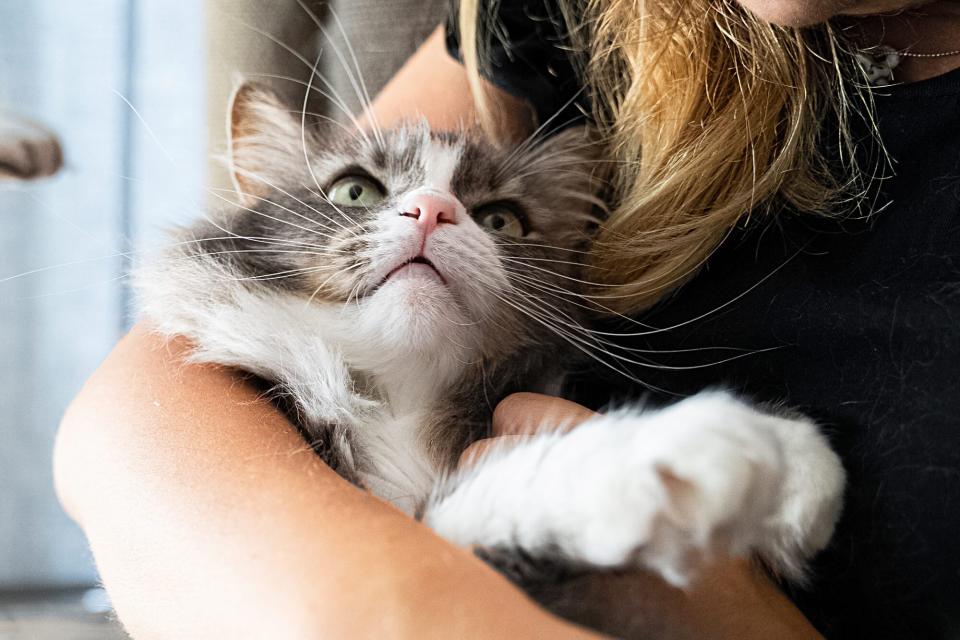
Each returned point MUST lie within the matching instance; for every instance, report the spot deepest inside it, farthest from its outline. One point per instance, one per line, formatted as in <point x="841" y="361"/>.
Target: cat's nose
<point x="429" y="210"/>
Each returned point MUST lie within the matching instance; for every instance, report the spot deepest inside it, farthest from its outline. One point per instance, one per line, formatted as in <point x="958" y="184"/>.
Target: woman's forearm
<point x="210" y="518"/>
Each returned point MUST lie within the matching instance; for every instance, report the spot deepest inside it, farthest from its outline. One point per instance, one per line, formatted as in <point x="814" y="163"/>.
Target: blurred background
<point x="135" y="92"/>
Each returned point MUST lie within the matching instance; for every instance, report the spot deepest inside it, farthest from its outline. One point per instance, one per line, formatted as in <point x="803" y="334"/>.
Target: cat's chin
<point x="414" y="309"/>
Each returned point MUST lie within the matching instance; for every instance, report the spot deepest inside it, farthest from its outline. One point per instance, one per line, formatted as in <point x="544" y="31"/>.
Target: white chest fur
<point x="314" y="352"/>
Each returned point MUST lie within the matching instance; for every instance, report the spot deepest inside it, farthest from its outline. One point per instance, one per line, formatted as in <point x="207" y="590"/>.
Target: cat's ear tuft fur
<point x="264" y="140"/>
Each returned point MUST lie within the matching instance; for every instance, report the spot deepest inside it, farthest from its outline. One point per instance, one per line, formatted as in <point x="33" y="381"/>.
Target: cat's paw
<point x="27" y="150"/>
<point x="664" y="490"/>
<point x="680" y="486"/>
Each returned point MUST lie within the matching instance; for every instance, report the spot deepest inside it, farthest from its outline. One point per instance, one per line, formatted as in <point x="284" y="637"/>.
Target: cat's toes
<point x="696" y="480"/>
<point x="27" y="150"/>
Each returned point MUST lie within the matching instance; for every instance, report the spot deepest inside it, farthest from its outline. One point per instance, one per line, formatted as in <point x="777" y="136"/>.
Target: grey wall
<point x="67" y="64"/>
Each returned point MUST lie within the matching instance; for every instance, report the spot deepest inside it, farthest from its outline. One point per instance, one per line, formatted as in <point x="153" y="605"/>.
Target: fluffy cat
<point x="390" y="287"/>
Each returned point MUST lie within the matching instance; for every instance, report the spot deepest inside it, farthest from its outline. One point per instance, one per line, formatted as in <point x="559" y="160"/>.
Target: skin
<point x="921" y="27"/>
<point x="208" y="517"/>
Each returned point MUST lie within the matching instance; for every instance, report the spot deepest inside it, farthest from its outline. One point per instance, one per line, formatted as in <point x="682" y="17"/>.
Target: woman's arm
<point x="210" y="518"/>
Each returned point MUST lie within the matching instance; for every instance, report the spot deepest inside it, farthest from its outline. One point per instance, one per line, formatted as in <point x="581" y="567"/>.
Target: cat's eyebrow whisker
<point x="355" y="76"/>
<point x="332" y="98"/>
<point x="303" y="141"/>
<point x="325" y="118"/>
<point x="296" y="54"/>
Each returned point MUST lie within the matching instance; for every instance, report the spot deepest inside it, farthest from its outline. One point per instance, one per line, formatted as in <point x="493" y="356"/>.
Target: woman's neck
<point x="928" y="28"/>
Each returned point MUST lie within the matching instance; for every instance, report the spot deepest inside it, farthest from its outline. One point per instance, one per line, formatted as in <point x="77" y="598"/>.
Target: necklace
<point x="879" y="62"/>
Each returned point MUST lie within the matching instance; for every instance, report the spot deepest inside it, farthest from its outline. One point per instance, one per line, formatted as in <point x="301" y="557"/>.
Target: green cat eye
<point x="356" y="191"/>
<point x="501" y="219"/>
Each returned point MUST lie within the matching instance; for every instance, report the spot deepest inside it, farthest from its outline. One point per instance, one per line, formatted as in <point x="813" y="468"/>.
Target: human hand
<point x="732" y="598"/>
<point x="520" y="416"/>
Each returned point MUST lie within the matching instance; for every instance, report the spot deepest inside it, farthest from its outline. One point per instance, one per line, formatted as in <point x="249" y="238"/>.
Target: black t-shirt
<point x="854" y="321"/>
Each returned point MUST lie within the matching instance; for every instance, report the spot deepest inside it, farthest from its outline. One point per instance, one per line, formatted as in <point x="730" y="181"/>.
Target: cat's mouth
<point x="418" y="264"/>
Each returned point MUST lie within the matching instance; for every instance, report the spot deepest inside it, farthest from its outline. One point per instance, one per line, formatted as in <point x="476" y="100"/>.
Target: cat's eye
<point x="501" y="219"/>
<point x="355" y="191"/>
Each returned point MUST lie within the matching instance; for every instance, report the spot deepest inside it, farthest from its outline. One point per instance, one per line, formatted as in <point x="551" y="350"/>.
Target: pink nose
<point x="429" y="210"/>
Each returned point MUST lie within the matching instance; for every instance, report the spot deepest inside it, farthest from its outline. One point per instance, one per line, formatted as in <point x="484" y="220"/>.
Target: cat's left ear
<point x="265" y="143"/>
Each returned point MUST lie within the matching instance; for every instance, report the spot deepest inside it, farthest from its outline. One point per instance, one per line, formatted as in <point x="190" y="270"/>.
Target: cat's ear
<point x="264" y="138"/>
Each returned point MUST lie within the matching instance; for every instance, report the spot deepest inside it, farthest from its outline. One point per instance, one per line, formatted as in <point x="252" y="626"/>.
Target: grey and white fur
<point x="390" y="335"/>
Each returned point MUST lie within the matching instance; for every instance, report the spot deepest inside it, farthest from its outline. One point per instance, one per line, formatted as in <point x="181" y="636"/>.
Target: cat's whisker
<point x="331" y="277"/>
<point x="324" y="118"/>
<point x="266" y="251"/>
<point x="363" y="95"/>
<point x="303" y="143"/>
<point x="276" y="275"/>
<point x="263" y="180"/>
<point x="296" y="54"/>
<point x="556" y="274"/>
<point x="517" y="243"/>
<point x="526" y="259"/>
<point x="568" y="297"/>
<point x="574" y="342"/>
<point x="523" y="146"/>
<point x="262" y="214"/>
<point x="602" y="338"/>
<point x="334" y="99"/>
<point x="117" y="254"/>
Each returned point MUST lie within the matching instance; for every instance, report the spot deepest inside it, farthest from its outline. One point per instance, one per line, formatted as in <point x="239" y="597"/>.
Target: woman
<point x="196" y="497"/>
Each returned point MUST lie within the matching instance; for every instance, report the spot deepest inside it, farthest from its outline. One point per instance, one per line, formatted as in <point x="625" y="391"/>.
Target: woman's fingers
<point x="521" y="415"/>
<point x="528" y="413"/>
<point x="480" y="448"/>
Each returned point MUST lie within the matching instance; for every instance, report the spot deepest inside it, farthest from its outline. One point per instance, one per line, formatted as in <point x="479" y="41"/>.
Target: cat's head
<point x="431" y="242"/>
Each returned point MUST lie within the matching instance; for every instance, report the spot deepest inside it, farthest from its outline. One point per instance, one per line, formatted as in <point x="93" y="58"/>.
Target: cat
<point x="28" y="151"/>
<point x="393" y="286"/>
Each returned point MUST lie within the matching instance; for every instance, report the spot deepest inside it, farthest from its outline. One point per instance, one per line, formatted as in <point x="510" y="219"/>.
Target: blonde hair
<point x="709" y="115"/>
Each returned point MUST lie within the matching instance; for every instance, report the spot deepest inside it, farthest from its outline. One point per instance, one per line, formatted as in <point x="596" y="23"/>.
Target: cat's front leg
<point x="663" y="490"/>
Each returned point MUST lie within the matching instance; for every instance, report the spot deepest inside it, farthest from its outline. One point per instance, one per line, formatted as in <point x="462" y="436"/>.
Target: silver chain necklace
<point x="879" y="62"/>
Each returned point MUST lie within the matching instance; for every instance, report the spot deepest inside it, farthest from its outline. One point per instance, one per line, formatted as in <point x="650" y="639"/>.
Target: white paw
<point x="674" y="488"/>
<point x="27" y="150"/>
<point x="664" y="490"/>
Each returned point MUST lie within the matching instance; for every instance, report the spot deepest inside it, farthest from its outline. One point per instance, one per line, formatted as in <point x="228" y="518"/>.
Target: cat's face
<point x="429" y="240"/>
